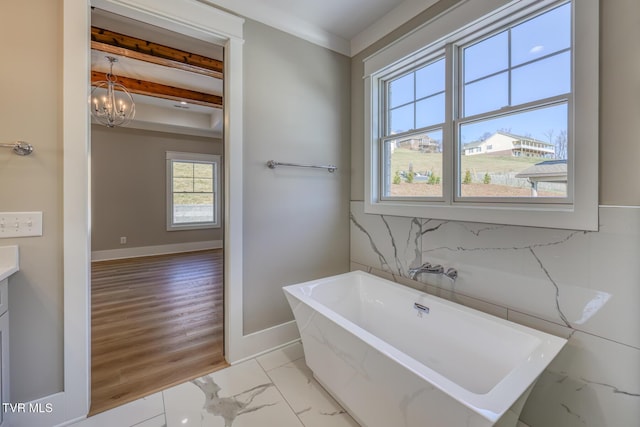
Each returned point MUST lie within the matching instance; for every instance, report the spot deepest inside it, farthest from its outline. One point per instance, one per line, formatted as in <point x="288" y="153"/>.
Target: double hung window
<point x="483" y="123"/>
<point x="192" y="191"/>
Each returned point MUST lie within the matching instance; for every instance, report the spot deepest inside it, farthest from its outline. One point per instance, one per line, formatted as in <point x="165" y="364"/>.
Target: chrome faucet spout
<point x="427" y="267"/>
<point x="436" y="269"/>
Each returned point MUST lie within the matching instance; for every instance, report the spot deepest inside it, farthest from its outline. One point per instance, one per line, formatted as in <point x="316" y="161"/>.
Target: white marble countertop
<point x="9" y="261"/>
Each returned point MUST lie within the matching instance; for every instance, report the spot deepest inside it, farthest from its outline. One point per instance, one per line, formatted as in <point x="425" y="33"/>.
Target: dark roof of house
<point x="546" y="169"/>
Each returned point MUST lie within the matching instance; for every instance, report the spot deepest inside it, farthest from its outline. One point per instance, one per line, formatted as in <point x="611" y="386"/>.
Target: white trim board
<point x="264" y="341"/>
<point x="142" y="251"/>
<point x="272" y="349"/>
<point x="73" y="402"/>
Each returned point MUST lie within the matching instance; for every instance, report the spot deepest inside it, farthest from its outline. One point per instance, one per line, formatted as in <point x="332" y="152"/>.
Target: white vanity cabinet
<point x="4" y="346"/>
<point x="9" y="264"/>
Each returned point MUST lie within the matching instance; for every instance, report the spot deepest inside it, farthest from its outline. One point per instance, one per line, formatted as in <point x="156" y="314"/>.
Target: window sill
<point x="192" y="227"/>
<point x="563" y="216"/>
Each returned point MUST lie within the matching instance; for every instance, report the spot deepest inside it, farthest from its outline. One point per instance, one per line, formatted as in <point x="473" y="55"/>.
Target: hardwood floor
<point x="155" y="322"/>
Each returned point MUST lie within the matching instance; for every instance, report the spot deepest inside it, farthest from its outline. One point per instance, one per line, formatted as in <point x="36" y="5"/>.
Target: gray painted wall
<point x="128" y="184"/>
<point x="296" y="221"/>
<point x="619" y="102"/>
<point x="31" y="110"/>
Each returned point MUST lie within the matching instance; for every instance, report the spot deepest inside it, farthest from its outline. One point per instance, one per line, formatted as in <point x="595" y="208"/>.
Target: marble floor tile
<point x="281" y="356"/>
<point x="158" y="421"/>
<point x="276" y="389"/>
<point x="313" y="405"/>
<point x="140" y="412"/>
<point x="239" y="396"/>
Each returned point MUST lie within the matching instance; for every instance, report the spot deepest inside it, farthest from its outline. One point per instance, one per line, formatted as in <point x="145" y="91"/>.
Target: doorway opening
<point x="157" y="291"/>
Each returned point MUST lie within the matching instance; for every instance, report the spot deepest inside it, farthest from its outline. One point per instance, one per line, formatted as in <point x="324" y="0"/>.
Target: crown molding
<point x="263" y="12"/>
<point x="398" y="16"/>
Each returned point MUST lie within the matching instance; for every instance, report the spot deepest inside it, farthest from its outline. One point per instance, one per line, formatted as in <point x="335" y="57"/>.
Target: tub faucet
<point x="427" y="267"/>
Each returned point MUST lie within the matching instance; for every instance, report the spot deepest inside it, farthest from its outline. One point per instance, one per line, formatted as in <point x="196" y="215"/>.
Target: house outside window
<point x="498" y="96"/>
<point x="193" y="191"/>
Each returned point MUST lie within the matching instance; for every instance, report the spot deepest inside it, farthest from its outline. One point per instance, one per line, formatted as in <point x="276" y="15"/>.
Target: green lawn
<point x="480" y="164"/>
<point x="501" y="170"/>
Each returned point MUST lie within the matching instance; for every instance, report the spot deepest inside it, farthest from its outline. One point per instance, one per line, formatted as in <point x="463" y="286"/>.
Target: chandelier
<point x="111" y="103"/>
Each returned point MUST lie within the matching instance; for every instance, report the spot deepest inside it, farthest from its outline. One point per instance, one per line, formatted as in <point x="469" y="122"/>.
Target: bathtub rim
<point x="491" y="405"/>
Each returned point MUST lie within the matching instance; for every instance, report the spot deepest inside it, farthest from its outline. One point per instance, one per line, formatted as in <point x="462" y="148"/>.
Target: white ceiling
<point x="346" y="26"/>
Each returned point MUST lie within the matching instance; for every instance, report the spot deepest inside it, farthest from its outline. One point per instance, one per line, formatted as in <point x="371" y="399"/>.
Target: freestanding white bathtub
<point x="394" y="356"/>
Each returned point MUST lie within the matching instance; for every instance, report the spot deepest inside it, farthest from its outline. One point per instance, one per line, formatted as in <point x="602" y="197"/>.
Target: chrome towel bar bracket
<point x="21" y="148"/>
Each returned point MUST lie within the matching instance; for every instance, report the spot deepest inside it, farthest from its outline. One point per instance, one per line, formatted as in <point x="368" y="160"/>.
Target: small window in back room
<point x="192" y="191"/>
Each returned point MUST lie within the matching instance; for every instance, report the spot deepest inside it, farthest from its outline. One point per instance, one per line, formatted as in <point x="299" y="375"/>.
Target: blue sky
<point x="531" y="61"/>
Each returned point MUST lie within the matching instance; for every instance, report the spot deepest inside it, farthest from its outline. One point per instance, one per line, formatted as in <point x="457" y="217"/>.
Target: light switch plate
<point x="20" y="224"/>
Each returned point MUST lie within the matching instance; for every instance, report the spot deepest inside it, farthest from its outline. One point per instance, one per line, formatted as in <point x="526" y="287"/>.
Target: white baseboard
<point x="260" y="342"/>
<point x="269" y="350"/>
<point x="141" y="251"/>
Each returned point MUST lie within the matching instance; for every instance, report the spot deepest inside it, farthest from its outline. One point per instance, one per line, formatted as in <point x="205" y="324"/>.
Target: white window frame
<point x="213" y="159"/>
<point x="577" y="212"/>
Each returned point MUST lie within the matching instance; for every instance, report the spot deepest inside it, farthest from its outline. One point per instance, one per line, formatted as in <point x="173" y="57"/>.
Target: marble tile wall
<point x="584" y="286"/>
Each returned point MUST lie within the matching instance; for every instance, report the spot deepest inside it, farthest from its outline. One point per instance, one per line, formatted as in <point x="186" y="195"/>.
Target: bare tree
<point x="561" y="145"/>
<point x="549" y="134"/>
<point x="485" y="136"/>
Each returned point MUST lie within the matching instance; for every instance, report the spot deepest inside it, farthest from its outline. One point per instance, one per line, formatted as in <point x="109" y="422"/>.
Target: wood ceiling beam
<point x="120" y="44"/>
<point x="162" y="91"/>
